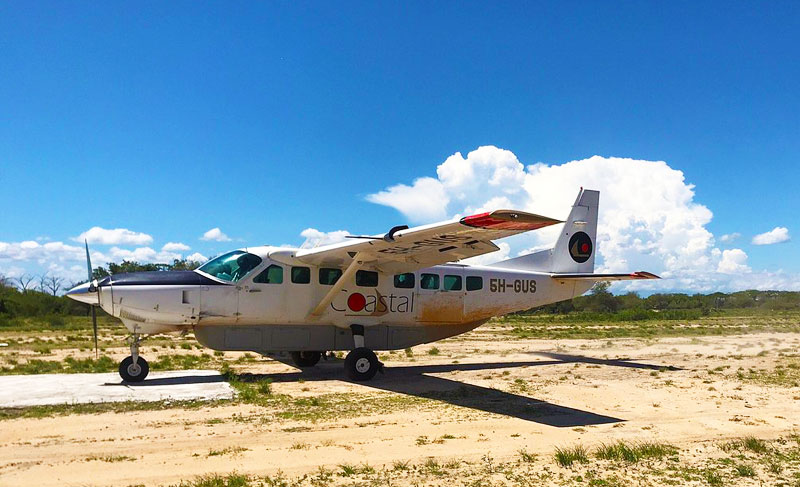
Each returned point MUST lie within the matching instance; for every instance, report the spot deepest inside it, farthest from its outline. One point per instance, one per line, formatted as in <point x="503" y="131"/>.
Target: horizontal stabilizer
<point x="605" y="277"/>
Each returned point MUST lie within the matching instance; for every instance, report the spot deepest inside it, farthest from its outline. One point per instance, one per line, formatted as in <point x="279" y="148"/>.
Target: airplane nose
<point x="82" y="293"/>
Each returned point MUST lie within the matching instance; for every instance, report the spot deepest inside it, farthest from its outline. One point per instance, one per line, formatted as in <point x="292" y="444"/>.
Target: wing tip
<point x="508" y="220"/>
<point x="645" y="275"/>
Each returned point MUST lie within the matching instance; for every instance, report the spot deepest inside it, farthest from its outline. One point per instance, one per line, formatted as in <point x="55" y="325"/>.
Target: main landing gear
<point x="134" y="368"/>
<point x="306" y="359"/>
<point x="361" y="363"/>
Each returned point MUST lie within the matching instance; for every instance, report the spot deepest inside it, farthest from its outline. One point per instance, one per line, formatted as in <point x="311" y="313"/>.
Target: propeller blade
<point x="94" y="332"/>
<point x="88" y="260"/>
<point x="94" y="311"/>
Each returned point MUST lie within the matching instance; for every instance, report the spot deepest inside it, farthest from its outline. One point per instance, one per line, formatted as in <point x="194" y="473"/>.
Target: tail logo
<point x="580" y="247"/>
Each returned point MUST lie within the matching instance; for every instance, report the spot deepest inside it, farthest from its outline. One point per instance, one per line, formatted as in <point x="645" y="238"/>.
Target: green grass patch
<point x="527" y="457"/>
<point x="569" y="455"/>
<point x="231" y="450"/>
<point x="71" y="365"/>
<point x="216" y="480"/>
<point x="786" y="373"/>
<point x="750" y="443"/>
<point x="743" y="470"/>
<point x="633" y="452"/>
<point x="606" y="326"/>
<point x="111" y="458"/>
<point x="102" y="407"/>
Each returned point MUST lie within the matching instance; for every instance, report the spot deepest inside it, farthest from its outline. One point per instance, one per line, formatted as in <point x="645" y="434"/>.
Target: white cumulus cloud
<point x="776" y="235"/>
<point x="425" y="200"/>
<point x="730" y="237"/>
<point x="141" y="254"/>
<point x="734" y="261"/>
<point x="34" y="251"/>
<point x="216" y="235"/>
<point x="197" y="257"/>
<point x="649" y="219"/>
<point x="175" y="247"/>
<point x="115" y="236"/>
<point x="317" y="238"/>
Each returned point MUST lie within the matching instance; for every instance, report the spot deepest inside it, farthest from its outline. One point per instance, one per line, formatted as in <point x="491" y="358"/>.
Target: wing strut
<point x="357" y="262"/>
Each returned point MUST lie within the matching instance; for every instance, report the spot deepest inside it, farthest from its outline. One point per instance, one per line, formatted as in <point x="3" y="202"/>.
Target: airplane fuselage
<point x="453" y="298"/>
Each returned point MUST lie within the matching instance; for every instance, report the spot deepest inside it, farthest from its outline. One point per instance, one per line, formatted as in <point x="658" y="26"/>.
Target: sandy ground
<point x="500" y="397"/>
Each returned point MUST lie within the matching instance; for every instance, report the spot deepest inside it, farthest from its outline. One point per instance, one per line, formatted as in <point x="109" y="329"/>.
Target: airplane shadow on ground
<point x="415" y="380"/>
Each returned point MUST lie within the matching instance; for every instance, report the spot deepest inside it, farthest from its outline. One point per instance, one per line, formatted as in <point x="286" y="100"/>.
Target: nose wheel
<point x="134" y="368"/>
<point x="133" y="372"/>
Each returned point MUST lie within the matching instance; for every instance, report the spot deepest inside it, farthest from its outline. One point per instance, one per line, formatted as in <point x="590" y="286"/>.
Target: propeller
<point x="92" y="287"/>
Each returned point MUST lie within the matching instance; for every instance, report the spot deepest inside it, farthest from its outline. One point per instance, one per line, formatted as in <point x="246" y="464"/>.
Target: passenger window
<point x="452" y="283"/>
<point x="329" y="276"/>
<point x="301" y="275"/>
<point x="271" y="275"/>
<point x="429" y="281"/>
<point x="474" y="283"/>
<point x="404" y="281"/>
<point x="366" y="278"/>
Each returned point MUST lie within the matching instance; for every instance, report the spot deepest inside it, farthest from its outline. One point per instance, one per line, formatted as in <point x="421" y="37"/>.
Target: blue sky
<point x="265" y="119"/>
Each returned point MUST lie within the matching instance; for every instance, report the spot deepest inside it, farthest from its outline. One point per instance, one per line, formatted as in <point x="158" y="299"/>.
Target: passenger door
<point x="438" y="301"/>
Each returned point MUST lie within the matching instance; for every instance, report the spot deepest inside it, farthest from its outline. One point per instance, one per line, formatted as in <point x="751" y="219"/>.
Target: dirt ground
<point x="478" y="399"/>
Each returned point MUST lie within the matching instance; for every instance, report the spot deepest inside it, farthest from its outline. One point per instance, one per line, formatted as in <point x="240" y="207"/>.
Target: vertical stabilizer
<point x="576" y="245"/>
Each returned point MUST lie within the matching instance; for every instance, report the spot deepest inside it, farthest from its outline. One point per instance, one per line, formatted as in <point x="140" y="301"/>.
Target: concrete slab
<point x="176" y="385"/>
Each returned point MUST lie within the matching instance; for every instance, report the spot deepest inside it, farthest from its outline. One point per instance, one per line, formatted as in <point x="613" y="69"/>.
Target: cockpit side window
<point x="231" y="266"/>
<point x="271" y="275"/>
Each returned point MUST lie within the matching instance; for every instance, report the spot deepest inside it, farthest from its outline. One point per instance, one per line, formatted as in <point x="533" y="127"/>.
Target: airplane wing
<point x="404" y="249"/>
<point x="605" y="277"/>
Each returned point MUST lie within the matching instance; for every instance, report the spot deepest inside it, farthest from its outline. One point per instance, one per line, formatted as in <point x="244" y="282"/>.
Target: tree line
<point x="601" y="300"/>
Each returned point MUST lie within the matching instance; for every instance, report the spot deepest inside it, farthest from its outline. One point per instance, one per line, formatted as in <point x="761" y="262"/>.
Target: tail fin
<point x="575" y="249"/>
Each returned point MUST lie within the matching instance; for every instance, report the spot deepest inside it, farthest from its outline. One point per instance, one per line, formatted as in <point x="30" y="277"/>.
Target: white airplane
<point x="385" y="292"/>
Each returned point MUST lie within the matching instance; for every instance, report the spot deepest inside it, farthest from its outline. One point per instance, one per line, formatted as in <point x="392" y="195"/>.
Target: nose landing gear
<point x="134" y="368"/>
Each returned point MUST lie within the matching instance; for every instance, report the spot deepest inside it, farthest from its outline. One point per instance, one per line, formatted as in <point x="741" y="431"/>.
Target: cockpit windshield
<point x="231" y="266"/>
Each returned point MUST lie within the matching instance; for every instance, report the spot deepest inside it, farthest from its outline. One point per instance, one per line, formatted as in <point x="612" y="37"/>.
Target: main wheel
<point x="361" y="364"/>
<point x="306" y="359"/>
<point x="133" y="373"/>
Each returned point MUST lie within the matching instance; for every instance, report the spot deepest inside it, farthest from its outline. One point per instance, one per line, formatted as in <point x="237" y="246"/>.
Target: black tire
<point x="306" y="359"/>
<point x="361" y="364"/>
<point x="129" y="373"/>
